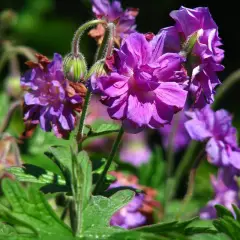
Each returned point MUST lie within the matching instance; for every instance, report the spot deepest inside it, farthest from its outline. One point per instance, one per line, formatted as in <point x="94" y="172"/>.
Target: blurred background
<point x="48" y="26"/>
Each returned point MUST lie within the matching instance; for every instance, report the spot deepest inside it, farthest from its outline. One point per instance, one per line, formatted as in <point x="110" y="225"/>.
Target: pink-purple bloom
<point x="135" y="149"/>
<point x="225" y="193"/>
<point x="51" y="100"/>
<point x="206" y="56"/>
<point x="181" y="137"/>
<point x="113" y="12"/>
<point x="215" y="128"/>
<point x="144" y="87"/>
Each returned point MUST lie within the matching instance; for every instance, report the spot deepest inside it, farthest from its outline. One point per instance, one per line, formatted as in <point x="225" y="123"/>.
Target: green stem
<point x="228" y="83"/>
<point x="191" y="182"/>
<point x="170" y="163"/>
<point x="80" y="31"/>
<point x="83" y="117"/>
<point x="183" y="166"/>
<point x="170" y="150"/>
<point x="109" y="161"/>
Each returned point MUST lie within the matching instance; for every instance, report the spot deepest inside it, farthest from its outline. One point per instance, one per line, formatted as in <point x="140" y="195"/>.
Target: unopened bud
<point x="98" y="69"/>
<point x="75" y="68"/>
<point x="190" y="43"/>
<point x="12" y="85"/>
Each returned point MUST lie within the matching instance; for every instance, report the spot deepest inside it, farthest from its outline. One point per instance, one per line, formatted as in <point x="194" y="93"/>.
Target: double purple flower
<point x="206" y="56"/>
<point x="216" y="129"/>
<point x="51" y="100"/>
<point x="145" y="86"/>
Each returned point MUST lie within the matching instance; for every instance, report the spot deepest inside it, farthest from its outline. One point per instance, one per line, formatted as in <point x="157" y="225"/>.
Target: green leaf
<point x="226" y="223"/>
<point x="35" y="174"/>
<point x="100" y="209"/>
<point x="222" y="211"/>
<point x="102" y="128"/>
<point x="209" y="237"/>
<point x="81" y="184"/>
<point x="30" y="209"/>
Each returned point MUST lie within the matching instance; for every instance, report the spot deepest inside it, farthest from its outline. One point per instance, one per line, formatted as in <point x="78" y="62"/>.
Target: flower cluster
<point x="139" y="211"/>
<point x="206" y="55"/>
<point x="216" y="129"/>
<point x="51" y="99"/>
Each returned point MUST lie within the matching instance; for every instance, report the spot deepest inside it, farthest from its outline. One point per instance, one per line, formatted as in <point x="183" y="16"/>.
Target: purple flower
<point x="135" y="149"/>
<point x="216" y="129"/>
<point x="181" y="137"/>
<point x="114" y="12"/>
<point x="144" y="88"/>
<point x="226" y="193"/>
<point x="51" y="100"/>
<point x="206" y="54"/>
<point x="140" y="210"/>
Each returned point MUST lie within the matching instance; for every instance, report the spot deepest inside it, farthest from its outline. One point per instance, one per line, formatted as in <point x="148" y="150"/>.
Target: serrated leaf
<point x="81" y="184"/>
<point x="102" y="128"/>
<point x="35" y="174"/>
<point x="31" y="210"/>
<point x="100" y="209"/>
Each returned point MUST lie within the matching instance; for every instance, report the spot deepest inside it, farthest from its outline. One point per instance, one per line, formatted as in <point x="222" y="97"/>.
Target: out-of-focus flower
<point x="113" y="12"/>
<point x="139" y="211"/>
<point x="181" y="137"/>
<point x="135" y="149"/>
<point x="206" y="55"/>
<point x="51" y="99"/>
<point x="226" y="193"/>
<point x="143" y="89"/>
<point x="216" y="129"/>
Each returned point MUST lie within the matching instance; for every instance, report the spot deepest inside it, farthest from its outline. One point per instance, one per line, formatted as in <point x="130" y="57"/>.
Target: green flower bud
<point x="75" y="68"/>
<point x="98" y="69"/>
<point x="190" y="43"/>
<point x="12" y="86"/>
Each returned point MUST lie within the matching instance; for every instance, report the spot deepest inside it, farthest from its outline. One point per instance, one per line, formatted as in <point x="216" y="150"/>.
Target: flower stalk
<point x="109" y="161"/>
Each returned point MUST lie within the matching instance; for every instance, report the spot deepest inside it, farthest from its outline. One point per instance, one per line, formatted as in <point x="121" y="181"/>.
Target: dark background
<point x="48" y="26"/>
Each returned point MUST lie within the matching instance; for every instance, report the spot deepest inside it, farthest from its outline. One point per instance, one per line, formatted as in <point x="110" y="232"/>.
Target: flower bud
<point x="190" y="43"/>
<point x="98" y="69"/>
<point x="12" y="86"/>
<point x="75" y="68"/>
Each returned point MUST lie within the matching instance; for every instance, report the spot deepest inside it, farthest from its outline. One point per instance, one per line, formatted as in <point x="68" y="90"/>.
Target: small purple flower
<point x="129" y="216"/>
<point x="135" y="149"/>
<point x="51" y="100"/>
<point x="114" y="12"/>
<point x="226" y="193"/>
<point x="216" y="129"/>
<point x="206" y="55"/>
<point x="181" y="136"/>
<point x="144" y="88"/>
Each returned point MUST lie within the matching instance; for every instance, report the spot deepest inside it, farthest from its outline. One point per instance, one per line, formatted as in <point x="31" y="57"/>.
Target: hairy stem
<point x="7" y="119"/>
<point x="191" y="182"/>
<point x="80" y="31"/>
<point x="229" y="82"/>
<point x="109" y="161"/>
